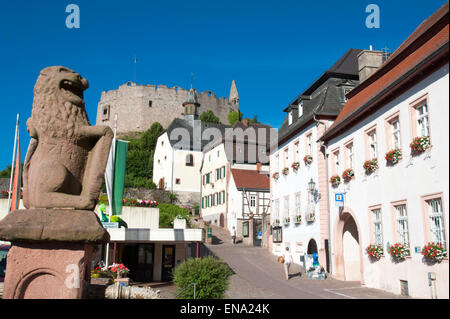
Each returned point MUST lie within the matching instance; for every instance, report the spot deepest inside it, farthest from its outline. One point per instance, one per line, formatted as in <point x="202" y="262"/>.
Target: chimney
<point x="245" y="122"/>
<point x="368" y="62"/>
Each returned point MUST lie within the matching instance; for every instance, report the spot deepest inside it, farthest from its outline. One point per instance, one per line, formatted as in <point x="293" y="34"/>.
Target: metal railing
<point x="192" y="284"/>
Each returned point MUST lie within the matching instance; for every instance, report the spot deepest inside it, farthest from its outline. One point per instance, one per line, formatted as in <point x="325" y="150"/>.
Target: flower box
<point x="393" y="156"/>
<point x="311" y="217"/>
<point x="348" y="175"/>
<point x="285" y="171"/>
<point x="276" y="222"/>
<point x="434" y="252"/>
<point x="375" y="251"/>
<point x="287" y="220"/>
<point x="308" y="159"/>
<point x="335" y="180"/>
<point x="419" y="145"/>
<point x="298" y="219"/>
<point x="398" y="251"/>
<point x="276" y="176"/>
<point x="370" y="166"/>
<point x="295" y="166"/>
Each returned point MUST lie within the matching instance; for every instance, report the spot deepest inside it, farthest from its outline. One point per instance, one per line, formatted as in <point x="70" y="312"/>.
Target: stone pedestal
<point x="51" y="252"/>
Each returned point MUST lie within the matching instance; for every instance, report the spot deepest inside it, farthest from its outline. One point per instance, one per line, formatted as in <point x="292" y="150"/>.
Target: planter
<point x="308" y="159"/>
<point x="420" y="145"/>
<point x="434" y="252"/>
<point x="374" y="251"/>
<point x="287" y="221"/>
<point x="393" y="156"/>
<point x="370" y="166"/>
<point x="298" y="219"/>
<point x="295" y="166"/>
<point x="311" y="217"/>
<point x="335" y="180"/>
<point x="399" y="251"/>
<point x="348" y="175"/>
<point x="285" y="171"/>
<point x="276" y="176"/>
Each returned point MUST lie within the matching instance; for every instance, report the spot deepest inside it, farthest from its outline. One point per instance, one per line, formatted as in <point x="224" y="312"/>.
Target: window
<point x="203" y="202"/>
<point x="346" y="90"/>
<point x="423" y="128"/>
<point x="213" y="202"/>
<point x="276" y="209"/>
<point x="336" y="162"/>
<point x="252" y="201"/>
<point x="297" y="204"/>
<point x="218" y="171"/>
<point x="296" y="151"/>
<point x="349" y="148"/>
<point x="277" y="163"/>
<point x="206" y="178"/>
<point x="377" y="227"/>
<point x="309" y="144"/>
<point x="218" y="153"/>
<point x="150" y="103"/>
<point x="372" y="143"/>
<point x="105" y="113"/>
<point x="436" y="220"/>
<point x="223" y="171"/>
<point x="223" y="197"/>
<point x="395" y="133"/>
<point x="177" y="181"/>
<point x="218" y="198"/>
<point x="402" y="224"/>
<point x="300" y="109"/>
<point x="189" y="160"/>
<point x="286" y="157"/>
<point x="290" y="117"/>
<point x="286" y="207"/>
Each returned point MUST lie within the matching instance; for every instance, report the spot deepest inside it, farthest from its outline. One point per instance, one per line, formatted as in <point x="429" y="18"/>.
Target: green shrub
<point x="210" y="274"/>
<point x="168" y="212"/>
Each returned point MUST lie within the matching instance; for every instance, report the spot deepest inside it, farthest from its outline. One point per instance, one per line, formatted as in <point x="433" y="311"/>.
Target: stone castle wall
<point x="138" y="106"/>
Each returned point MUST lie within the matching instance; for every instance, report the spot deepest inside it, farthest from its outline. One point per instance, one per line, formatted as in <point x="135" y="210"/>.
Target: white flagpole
<point x="110" y="199"/>
<point x="12" y="164"/>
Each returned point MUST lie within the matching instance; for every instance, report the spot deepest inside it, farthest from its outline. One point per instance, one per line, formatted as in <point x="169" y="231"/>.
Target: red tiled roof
<point x="250" y="179"/>
<point x="426" y="40"/>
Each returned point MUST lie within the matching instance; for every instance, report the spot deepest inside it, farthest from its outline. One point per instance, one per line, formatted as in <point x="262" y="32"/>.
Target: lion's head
<point x="58" y="105"/>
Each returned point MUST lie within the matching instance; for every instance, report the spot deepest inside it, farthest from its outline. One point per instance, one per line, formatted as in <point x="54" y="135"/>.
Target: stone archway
<point x="348" y="254"/>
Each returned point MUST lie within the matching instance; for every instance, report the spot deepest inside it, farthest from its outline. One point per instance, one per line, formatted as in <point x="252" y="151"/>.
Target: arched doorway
<point x="312" y="247"/>
<point x="348" y="262"/>
<point x="222" y="220"/>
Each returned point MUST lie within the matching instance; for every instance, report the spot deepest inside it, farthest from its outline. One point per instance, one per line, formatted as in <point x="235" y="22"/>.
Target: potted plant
<point x="393" y="156"/>
<point x="311" y="217"/>
<point x="285" y="171"/>
<point x="335" y="180"/>
<point x="295" y="166"/>
<point x="308" y="159"/>
<point x="348" y="175"/>
<point x="419" y="145"/>
<point x="298" y="219"/>
<point x="276" y="176"/>
<point x="277" y="222"/>
<point x="287" y="220"/>
<point x="370" y="166"/>
<point x="399" y="251"/>
<point x="375" y="251"/>
<point x="434" y="252"/>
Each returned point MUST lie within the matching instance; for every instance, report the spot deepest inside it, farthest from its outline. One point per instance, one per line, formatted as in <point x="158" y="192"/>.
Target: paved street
<point x="258" y="276"/>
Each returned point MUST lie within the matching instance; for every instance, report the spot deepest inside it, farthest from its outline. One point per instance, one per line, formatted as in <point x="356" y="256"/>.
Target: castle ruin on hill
<point x="139" y="106"/>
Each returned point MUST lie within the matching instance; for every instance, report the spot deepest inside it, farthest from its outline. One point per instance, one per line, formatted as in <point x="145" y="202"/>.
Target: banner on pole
<point x="120" y="163"/>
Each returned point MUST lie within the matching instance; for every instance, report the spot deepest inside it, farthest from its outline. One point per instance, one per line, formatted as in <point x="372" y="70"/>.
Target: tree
<point x="234" y="116"/>
<point x="209" y="117"/>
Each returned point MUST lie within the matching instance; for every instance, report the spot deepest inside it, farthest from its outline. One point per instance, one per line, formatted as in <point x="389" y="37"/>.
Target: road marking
<point x="344" y="295"/>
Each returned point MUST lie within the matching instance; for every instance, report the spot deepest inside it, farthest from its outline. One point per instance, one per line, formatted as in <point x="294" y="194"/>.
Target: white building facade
<point x="403" y="201"/>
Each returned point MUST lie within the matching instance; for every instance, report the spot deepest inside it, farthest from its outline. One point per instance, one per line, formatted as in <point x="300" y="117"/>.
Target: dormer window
<point x="300" y="109"/>
<point x="346" y="90"/>
<point x="290" y="117"/>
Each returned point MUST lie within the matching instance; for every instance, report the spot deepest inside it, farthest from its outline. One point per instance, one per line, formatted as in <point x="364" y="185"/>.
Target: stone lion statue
<point x="66" y="158"/>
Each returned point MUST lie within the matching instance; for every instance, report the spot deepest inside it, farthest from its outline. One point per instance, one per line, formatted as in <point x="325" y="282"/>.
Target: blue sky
<point x="273" y="50"/>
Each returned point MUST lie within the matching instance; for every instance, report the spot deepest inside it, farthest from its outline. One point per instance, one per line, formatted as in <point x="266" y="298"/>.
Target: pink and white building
<point x="405" y="200"/>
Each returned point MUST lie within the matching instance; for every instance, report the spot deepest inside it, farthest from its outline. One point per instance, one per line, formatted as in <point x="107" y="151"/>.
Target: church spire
<point x="234" y="95"/>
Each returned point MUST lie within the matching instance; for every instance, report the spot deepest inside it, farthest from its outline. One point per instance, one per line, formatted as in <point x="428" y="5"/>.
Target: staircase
<point x="220" y="235"/>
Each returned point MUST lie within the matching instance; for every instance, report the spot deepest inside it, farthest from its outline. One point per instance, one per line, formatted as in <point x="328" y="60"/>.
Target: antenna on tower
<point x="386" y="53"/>
<point x="135" y="62"/>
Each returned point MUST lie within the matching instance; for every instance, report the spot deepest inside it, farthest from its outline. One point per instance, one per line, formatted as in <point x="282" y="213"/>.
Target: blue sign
<point x="339" y="197"/>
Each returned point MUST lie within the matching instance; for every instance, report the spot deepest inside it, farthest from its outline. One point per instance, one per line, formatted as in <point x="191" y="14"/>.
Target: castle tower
<point x="234" y="95"/>
<point x="190" y="106"/>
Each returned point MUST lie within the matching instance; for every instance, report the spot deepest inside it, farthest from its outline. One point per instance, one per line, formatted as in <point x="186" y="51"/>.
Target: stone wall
<point x="138" y="106"/>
